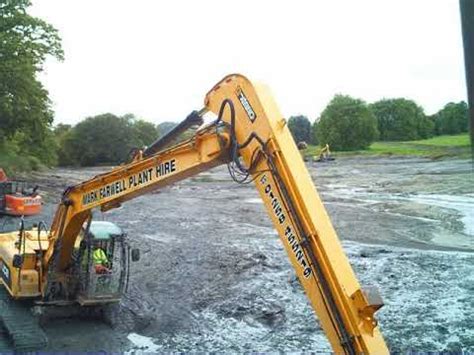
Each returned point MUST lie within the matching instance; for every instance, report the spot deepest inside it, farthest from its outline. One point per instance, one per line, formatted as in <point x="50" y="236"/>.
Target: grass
<point x="458" y="140"/>
<point x="436" y="147"/>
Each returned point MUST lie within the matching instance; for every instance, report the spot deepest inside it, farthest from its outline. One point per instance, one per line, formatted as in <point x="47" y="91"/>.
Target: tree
<point x="61" y="129"/>
<point x="425" y="127"/>
<point x="145" y="132"/>
<point x="62" y="133"/>
<point x="347" y="124"/>
<point x="314" y="133"/>
<point x="401" y="120"/>
<point x="300" y="128"/>
<point x="25" y="43"/>
<point x="103" y="139"/>
<point x="453" y="118"/>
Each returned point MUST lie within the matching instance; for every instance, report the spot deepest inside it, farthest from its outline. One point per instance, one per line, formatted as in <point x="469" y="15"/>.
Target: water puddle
<point x="253" y="200"/>
<point x="142" y="342"/>
<point x="462" y="204"/>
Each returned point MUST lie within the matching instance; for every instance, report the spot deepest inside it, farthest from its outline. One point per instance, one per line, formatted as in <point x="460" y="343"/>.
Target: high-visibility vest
<point x="99" y="257"/>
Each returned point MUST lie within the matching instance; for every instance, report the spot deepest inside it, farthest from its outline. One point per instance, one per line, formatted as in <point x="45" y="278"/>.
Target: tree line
<point x="105" y="139"/>
<point x="345" y="124"/>
<point x="349" y="123"/>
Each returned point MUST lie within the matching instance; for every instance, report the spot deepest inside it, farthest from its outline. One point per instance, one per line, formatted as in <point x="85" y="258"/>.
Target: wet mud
<point x="214" y="276"/>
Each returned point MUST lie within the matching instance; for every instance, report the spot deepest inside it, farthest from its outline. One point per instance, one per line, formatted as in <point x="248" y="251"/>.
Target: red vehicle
<point x="17" y="198"/>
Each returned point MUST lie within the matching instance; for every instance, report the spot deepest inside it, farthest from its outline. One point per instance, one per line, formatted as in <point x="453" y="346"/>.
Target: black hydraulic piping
<point x="345" y="339"/>
<point x="193" y="119"/>
<point x="41" y="253"/>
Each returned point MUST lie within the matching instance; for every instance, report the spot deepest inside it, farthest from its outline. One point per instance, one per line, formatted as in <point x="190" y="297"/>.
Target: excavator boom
<point x="110" y="190"/>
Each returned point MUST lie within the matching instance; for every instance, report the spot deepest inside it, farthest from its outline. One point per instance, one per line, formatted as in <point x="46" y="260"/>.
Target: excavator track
<point x="19" y="329"/>
<point x="5" y="345"/>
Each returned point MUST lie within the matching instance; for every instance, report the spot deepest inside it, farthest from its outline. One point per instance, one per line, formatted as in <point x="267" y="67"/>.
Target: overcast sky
<point x="157" y="59"/>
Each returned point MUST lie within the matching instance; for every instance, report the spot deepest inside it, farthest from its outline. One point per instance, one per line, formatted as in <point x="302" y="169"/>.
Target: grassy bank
<point x="436" y="147"/>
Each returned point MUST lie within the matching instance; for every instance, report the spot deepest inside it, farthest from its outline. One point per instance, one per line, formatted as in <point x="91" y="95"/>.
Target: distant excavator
<point x="17" y="198"/>
<point x="324" y="155"/>
<point x="81" y="261"/>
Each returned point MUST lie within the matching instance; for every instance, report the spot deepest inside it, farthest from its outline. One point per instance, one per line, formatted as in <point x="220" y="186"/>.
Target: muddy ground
<point x="214" y="276"/>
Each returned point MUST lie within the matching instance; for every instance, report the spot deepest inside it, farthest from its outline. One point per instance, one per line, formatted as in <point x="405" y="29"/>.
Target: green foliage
<point x="145" y="132"/>
<point x="425" y="127"/>
<point x="453" y="118"/>
<point x="347" y="124"/>
<point x="25" y="113"/>
<point x="62" y="133"/>
<point x="436" y="147"/>
<point x="453" y="141"/>
<point x="401" y="120"/>
<point x="13" y="160"/>
<point x="45" y="148"/>
<point x="300" y="128"/>
<point x="103" y="139"/>
<point x="61" y="129"/>
<point x="314" y="133"/>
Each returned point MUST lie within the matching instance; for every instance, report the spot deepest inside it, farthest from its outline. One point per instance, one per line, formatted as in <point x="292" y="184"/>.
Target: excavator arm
<point x="252" y="137"/>
<point x="204" y="151"/>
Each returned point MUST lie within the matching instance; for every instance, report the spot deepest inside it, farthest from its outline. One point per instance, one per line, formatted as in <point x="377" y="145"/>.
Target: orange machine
<point x="17" y="199"/>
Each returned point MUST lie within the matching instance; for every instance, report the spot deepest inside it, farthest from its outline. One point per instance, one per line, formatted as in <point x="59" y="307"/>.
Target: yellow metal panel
<point x="298" y="214"/>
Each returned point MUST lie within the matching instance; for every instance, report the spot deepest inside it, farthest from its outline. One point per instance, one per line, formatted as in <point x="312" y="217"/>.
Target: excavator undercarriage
<point x="19" y="328"/>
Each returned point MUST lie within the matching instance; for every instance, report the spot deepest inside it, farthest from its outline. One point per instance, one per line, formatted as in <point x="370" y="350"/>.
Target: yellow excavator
<point x="81" y="261"/>
<point x="324" y="155"/>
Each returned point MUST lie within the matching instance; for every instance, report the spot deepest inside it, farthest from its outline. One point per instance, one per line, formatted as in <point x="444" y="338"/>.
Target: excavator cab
<point x="102" y="263"/>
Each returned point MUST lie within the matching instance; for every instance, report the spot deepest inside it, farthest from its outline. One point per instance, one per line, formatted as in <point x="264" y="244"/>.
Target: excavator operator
<point x="101" y="262"/>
